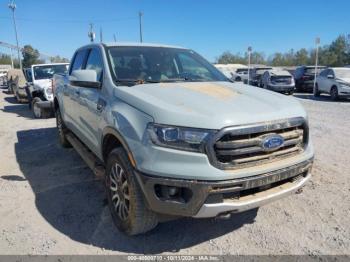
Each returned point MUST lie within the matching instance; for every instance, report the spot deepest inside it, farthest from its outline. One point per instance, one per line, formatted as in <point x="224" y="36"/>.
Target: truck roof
<point x="136" y="44"/>
<point x="51" y="64"/>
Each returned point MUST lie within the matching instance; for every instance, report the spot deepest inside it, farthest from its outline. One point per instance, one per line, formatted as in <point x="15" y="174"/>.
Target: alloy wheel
<point x="119" y="191"/>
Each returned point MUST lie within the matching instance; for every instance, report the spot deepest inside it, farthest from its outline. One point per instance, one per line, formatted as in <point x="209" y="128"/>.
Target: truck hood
<point x="344" y="79"/>
<point x="211" y="105"/>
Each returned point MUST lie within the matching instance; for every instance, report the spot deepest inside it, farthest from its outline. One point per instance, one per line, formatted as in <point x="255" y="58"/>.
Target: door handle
<point x="77" y="92"/>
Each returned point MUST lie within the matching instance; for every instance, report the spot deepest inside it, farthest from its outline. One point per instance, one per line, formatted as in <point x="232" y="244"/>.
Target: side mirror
<point x="84" y="78"/>
<point x="330" y="77"/>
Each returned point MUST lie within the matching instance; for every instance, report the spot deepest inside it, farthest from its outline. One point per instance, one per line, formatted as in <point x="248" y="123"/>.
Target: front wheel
<point x="37" y="111"/>
<point x="62" y="129"/>
<point x="125" y="198"/>
<point x="334" y="93"/>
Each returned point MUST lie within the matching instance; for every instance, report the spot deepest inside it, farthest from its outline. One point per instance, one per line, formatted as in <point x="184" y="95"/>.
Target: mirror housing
<point x="84" y="78"/>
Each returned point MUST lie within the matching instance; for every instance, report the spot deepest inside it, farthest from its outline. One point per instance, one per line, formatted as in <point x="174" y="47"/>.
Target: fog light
<point x="173" y="191"/>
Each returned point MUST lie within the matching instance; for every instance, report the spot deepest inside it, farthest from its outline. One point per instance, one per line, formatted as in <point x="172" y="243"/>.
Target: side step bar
<point x="89" y="158"/>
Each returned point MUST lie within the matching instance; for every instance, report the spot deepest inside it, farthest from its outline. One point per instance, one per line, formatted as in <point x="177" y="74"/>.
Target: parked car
<point x="40" y="91"/>
<point x="256" y="73"/>
<point x="334" y="81"/>
<point x="304" y="77"/>
<point x="279" y="81"/>
<point x="3" y="77"/>
<point x="241" y="74"/>
<point x="17" y="84"/>
<point x="173" y="137"/>
<point x="230" y="70"/>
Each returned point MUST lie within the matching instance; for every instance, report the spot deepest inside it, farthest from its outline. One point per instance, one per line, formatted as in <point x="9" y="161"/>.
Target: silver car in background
<point x="279" y="81"/>
<point x="334" y="81"/>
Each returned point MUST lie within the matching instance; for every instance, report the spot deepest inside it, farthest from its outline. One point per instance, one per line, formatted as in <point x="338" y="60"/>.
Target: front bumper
<point x="212" y="198"/>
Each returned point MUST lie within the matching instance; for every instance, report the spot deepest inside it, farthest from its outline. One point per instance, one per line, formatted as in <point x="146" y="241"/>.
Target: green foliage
<point x="30" y="56"/>
<point x="5" y="59"/>
<point x="335" y="54"/>
<point x="58" y="59"/>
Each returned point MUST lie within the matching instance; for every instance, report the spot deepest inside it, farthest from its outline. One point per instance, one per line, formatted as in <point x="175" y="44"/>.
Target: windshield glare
<point x="47" y="71"/>
<point x="160" y="64"/>
<point x="311" y="70"/>
<point x="342" y="73"/>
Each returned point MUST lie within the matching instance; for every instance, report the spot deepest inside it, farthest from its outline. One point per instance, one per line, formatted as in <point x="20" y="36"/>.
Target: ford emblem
<point x="272" y="142"/>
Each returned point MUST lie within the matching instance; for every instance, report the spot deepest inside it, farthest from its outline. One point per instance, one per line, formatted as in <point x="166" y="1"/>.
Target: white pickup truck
<point x="40" y="92"/>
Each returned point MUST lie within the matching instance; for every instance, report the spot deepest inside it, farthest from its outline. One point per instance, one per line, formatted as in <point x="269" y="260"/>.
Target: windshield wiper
<point x="135" y="81"/>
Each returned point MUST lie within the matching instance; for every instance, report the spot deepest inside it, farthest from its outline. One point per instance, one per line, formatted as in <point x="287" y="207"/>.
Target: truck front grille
<point x="241" y="146"/>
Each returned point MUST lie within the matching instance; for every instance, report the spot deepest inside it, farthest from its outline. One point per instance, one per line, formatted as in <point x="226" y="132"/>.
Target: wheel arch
<point x="112" y="139"/>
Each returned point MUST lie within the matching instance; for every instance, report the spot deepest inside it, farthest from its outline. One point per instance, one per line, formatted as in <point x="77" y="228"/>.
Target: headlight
<point x="181" y="138"/>
<point x="49" y="91"/>
<point x="345" y="85"/>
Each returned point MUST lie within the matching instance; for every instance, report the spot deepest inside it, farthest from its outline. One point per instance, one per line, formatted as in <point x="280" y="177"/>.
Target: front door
<point x="92" y="102"/>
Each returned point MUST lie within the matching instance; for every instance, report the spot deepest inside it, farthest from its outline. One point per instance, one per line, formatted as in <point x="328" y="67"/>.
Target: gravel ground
<point x="51" y="204"/>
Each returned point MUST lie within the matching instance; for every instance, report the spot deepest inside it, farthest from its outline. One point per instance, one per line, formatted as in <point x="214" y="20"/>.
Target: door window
<point x="78" y="61"/>
<point x="94" y="62"/>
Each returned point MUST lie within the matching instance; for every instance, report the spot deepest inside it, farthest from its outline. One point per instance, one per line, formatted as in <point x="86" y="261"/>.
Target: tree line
<point x="335" y="54"/>
<point x="30" y="56"/>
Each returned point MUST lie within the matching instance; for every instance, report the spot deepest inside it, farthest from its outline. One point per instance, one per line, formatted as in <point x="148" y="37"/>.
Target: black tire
<point x="10" y="89"/>
<point x="238" y="79"/>
<point x="37" y="111"/>
<point x="290" y="93"/>
<point x="125" y="196"/>
<point x="62" y="130"/>
<point x="316" y="92"/>
<point x="334" y="93"/>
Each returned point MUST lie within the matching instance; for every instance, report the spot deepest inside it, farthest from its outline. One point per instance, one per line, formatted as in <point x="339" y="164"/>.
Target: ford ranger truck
<point x="173" y="137"/>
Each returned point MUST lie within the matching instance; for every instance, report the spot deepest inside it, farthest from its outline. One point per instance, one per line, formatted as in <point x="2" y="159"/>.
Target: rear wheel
<point x="316" y="92"/>
<point x="334" y="93"/>
<point x="62" y="129"/>
<point x="125" y="198"/>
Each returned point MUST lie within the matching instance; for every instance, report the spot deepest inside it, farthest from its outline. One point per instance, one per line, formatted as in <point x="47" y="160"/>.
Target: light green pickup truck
<point x="173" y="137"/>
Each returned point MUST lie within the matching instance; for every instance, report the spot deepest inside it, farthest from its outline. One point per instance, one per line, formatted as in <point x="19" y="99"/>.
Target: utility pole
<point x="101" y="37"/>
<point x="140" y="21"/>
<point x="13" y="6"/>
<point x="115" y="38"/>
<point x="91" y="33"/>
<point x="249" y="54"/>
<point x="11" y="58"/>
<point x="317" y="42"/>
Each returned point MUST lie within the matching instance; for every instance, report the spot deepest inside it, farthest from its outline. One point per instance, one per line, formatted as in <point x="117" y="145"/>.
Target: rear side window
<point x="78" y="61"/>
<point x="94" y="62"/>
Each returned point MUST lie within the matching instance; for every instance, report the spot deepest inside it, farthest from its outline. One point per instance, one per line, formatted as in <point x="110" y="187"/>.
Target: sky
<point x="58" y="27"/>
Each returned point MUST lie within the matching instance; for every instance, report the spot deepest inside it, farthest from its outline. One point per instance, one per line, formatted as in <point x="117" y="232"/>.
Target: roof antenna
<point x="91" y="34"/>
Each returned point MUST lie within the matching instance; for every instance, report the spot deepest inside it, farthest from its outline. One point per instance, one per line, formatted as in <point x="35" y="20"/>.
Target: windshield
<point x="47" y="71"/>
<point x="342" y="73"/>
<point x="260" y="71"/>
<point x="160" y="64"/>
<point x="29" y="75"/>
<point x="242" y="70"/>
<point x="311" y="70"/>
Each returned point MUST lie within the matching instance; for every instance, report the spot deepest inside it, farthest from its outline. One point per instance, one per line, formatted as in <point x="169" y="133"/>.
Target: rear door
<point x="92" y="102"/>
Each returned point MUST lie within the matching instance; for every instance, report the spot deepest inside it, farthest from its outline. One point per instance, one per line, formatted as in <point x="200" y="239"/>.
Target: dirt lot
<point x="51" y="204"/>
